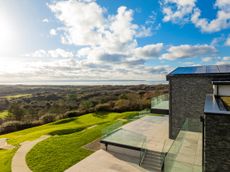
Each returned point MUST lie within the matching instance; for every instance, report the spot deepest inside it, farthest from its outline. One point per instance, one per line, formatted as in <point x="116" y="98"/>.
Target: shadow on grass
<point x="64" y="121"/>
<point x="67" y="131"/>
<point x="101" y="114"/>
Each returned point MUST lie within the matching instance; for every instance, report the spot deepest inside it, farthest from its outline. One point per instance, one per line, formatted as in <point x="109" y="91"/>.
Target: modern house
<point x="188" y="89"/>
<point x="192" y="134"/>
<point x="201" y="93"/>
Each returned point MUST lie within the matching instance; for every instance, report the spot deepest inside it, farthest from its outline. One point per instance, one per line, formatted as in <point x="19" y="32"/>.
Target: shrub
<point x="75" y="113"/>
<point x="11" y="126"/>
<point x="47" y="118"/>
<point x="104" y="107"/>
<point x="122" y="105"/>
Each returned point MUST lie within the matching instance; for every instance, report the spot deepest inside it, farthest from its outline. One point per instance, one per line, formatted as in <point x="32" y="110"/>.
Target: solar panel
<point x="224" y="68"/>
<point x="212" y="69"/>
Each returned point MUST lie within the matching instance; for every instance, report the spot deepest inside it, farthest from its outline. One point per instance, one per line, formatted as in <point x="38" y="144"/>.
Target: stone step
<point x="151" y="167"/>
<point x="150" y="163"/>
<point x="154" y="153"/>
<point x="153" y="159"/>
<point x="153" y="156"/>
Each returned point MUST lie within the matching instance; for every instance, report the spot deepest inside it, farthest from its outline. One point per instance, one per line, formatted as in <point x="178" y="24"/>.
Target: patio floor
<point x="104" y="161"/>
<point x="152" y="128"/>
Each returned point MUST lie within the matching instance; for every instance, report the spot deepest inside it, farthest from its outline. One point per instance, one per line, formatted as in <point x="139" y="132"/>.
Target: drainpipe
<point x="202" y="120"/>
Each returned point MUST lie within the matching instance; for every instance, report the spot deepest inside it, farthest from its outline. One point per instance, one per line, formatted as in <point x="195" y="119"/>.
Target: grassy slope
<point x="59" y="152"/>
<point x="3" y="114"/>
<point x="17" y="96"/>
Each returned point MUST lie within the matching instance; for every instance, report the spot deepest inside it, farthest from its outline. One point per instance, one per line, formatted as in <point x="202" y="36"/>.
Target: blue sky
<point x="110" y="39"/>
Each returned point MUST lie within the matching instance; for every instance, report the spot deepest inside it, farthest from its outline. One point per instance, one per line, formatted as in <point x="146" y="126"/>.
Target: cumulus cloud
<point x="183" y="11"/>
<point x="177" y="11"/>
<point x="105" y="44"/>
<point x="226" y="58"/>
<point x="188" y="51"/>
<point x="148" y="51"/>
<point x="222" y="20"/>
<point x="207" y="59"/>
<point x="223" y="60"/>
<point x="70" y="69"/>
<point x="86" y="23"/>
<point x="227" y="43"/>
<point x="45" y="20"/>
<point x="51" y="53"/>
<point x="53" y="32"/>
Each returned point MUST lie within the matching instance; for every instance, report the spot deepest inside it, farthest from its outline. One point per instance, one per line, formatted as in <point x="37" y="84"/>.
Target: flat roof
<point x="210" y="70"/>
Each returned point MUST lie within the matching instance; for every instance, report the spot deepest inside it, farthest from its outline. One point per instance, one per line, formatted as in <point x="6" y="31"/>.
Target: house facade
<point x="198" y="93"/>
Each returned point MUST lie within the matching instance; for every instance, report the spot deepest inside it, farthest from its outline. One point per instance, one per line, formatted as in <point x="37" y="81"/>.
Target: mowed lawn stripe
<point x="63" y="128"/>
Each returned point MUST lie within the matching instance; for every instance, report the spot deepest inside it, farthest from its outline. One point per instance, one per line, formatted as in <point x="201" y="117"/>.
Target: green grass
<point x="17" y="96"/>
<point x="61" y="152"/>
<point x="5" y="159"/>
<point x="3" y="114"/>
<point x="226" y="101"/>
<point x="65" y="148"/>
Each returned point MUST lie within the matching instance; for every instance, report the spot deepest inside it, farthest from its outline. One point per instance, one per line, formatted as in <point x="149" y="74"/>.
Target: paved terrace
<point x="154" y="128"/>
<point x="104" y="161"/>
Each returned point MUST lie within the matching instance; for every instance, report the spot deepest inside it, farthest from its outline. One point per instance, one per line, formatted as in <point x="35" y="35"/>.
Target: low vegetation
<point x="4" y="114"/>
<point x="10" y="97"/>
<point x="30" y="106"/>
<point x="65" y="147"/>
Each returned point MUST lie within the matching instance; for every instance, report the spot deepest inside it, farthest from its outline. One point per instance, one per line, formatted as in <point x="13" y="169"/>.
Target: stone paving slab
<point x="103" y="161"/>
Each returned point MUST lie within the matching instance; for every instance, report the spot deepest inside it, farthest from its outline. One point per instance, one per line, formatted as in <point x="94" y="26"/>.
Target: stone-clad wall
<point x="187" y="98"/>
<point x="217" y="139"/>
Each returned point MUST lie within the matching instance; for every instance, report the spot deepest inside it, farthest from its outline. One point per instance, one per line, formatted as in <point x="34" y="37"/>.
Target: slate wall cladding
<point x="217" y="139"/>
<point x="187" y="98"/>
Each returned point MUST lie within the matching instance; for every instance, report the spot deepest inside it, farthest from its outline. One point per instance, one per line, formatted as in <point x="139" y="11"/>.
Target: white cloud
<point x="51" y="53"/>
<point x="224" y="60"/>
<point x="148" y="51"/>
<point x="183" y="11"/>
<point x="69" y="69"/>
<point x="53" y="32"/>
<point x="222" y="20"/>
<point x="88" y="24"/>
<point x="228" y="41"/>
<point x="106" y="38"/>
<point x="217" y="41"/>
<point x="81" y="19"/>
<point x="188" y="51"/>
<point x="207" y="59"/>
<point x="45" y="20"/>
<point x="227" y="58"/>
<point x="177" y="11"/>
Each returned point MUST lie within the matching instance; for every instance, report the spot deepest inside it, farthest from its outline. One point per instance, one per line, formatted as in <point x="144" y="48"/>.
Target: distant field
<point x="17" y="96"/>
<point x="3" y="114"/>
<point x="64" y="149"/>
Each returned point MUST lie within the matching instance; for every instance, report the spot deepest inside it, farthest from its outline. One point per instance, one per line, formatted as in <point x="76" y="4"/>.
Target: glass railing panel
<point x="185" y="154"/>
<point x="160" y="102"/>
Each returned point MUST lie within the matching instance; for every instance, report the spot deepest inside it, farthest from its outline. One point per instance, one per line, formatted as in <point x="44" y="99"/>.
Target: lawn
<point x="3" y="114"/>
<point x="226" y="101"/>
<point x="63" y="149"/>
<point x="17" y="96"/>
